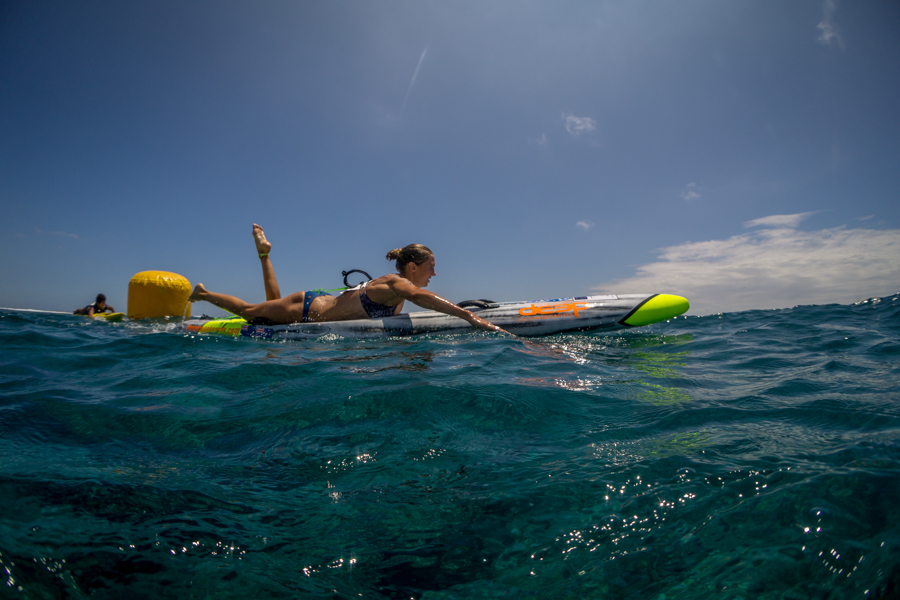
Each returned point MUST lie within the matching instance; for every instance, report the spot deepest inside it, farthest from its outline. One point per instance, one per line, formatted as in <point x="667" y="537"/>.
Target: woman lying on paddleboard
<point x="375" y="299"/>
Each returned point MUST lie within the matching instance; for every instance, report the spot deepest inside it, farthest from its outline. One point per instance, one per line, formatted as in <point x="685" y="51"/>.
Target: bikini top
<point x="373" y="309"/>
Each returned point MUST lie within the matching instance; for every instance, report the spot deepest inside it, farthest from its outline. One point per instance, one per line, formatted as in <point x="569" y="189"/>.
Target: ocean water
<point x="742" y="455"/>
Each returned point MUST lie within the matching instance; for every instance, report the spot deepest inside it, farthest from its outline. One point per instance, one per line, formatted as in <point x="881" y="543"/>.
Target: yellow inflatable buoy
<point x="157" y="294"/>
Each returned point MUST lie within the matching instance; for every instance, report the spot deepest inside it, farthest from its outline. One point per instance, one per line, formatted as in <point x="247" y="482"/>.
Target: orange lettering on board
<point x="552" y="309"/>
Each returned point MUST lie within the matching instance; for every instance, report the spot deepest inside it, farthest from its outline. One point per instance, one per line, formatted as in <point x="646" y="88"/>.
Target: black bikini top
<point x="373" y="309"/>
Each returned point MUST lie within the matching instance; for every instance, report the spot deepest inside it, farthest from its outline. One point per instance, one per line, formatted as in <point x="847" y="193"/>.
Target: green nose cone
<point x="657" y="308"/>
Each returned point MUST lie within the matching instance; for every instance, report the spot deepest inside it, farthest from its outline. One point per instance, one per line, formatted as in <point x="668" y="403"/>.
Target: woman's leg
<point x="263" y="247"/>
<point x="283" y="310"/>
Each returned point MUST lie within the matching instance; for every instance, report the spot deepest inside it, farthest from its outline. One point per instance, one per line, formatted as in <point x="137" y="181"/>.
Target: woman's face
<point x="420" y="275"/>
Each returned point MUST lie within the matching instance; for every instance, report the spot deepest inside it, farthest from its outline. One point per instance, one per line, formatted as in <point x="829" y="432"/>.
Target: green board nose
<point x="658" y="308"/>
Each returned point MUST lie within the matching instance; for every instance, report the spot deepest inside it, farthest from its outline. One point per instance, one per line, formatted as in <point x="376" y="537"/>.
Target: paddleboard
<point x="531" y="318"/>
<point x="110" y="316"/>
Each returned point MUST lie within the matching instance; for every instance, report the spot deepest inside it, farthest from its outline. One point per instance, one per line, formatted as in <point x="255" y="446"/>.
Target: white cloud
<point x="584" y="224"/>
<point x="691" y="192"/>
<point x="773" y="268"/>
<point x="829" y="34"/>
<point x="779" y="220"/>
<point x="540" y="140"/>
<point x="578" y="125"/>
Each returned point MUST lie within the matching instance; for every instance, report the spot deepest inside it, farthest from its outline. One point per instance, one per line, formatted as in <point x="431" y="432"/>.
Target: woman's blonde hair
<point x="414" y="253"/>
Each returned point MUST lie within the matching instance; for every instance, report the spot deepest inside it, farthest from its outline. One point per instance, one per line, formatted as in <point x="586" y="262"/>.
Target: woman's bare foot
<point x="263" y="246"/>
<point x="197" y="294"/>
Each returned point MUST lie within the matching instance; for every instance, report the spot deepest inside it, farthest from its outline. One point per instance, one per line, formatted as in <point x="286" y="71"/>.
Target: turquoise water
<point x="753" y="454"/>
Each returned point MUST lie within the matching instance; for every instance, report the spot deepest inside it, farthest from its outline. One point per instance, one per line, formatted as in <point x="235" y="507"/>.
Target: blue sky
<point x="743" y="154"/>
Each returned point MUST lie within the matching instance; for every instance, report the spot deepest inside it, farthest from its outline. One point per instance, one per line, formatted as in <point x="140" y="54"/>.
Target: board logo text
<point x="558" y="308"/>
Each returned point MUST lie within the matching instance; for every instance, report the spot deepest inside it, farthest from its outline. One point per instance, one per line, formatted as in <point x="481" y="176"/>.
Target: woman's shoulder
<point x="388" y="279"/>
<point x="397" y="284"/>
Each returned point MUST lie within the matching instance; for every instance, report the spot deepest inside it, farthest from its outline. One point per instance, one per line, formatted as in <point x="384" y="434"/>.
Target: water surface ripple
<point x="745" y="455"/>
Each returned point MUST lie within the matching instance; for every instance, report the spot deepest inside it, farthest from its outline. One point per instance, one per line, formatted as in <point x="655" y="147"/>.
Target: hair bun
<point x="413" y="253"/>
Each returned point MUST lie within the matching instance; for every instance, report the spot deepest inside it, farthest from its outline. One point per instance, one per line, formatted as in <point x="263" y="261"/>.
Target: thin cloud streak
<point x="773" y="268"/>
<point x="584" y="224"/>
<point x="779" y="220"/>
<point x="62" y="233"/>
<point x="413" y="82"/>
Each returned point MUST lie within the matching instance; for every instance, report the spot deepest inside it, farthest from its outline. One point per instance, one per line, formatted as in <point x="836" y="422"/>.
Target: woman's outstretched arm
<point x="405" y="289"/>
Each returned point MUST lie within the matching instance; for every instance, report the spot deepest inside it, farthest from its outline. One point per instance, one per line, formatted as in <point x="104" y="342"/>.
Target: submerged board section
<point x="531" y="318"/>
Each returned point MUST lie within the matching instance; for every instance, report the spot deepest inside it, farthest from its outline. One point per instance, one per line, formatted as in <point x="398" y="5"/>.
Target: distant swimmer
<point x="100" y="306"/>
<point x="375" y="299"/>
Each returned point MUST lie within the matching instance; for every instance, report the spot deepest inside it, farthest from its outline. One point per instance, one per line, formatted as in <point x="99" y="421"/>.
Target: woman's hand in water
<point x="480" y="323"/>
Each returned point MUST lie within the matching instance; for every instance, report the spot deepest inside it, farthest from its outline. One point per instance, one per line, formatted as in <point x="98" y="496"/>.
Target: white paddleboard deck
<point x="531" y="318"/>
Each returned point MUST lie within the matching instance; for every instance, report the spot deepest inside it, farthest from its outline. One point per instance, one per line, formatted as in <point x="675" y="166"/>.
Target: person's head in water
<point x="101" y="299"/>
<point x="415" y="262"/>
